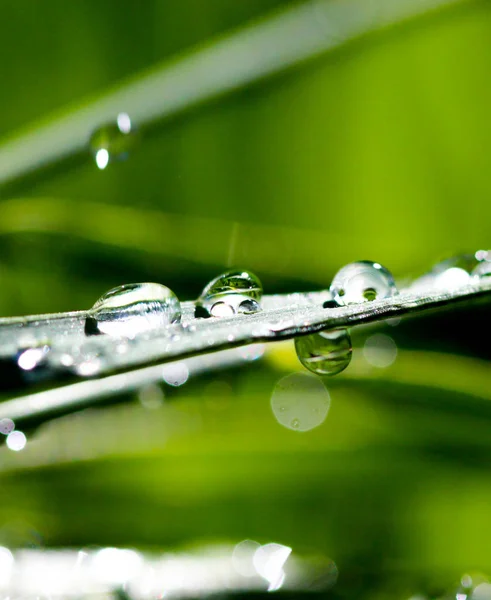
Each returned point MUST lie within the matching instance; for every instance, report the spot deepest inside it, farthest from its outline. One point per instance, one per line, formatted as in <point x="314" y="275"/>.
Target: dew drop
<point x="362" y="281"/>
<point x="483" y="270"/>
<point x="326" y="352"/>
<point x="6" y="426"/>
<point x="234" y="292"/>
<point x="113" y="141"/>
<point x="454" y="272"/>
<point x="132" y="308"/>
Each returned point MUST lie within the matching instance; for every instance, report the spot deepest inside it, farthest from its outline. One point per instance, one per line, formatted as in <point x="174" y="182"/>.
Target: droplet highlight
<point x="133" y="308"/>
<point x="455" y="272"/>
<point x="231" y="293"/>
<point x="300" y="402"/>
<point x="326" y="352"/>
<point x="362" y="281"/>
<point x="113" y="141"/>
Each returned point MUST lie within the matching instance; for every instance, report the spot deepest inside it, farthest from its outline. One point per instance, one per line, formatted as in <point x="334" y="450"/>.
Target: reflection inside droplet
<point x="102" y="158"/>
<point x="325" y="353"/>
<point x="113" y="141"/>
<point x="380" y="350"/>
<point x="124" y="122"/>
<point x="300" y="402"/>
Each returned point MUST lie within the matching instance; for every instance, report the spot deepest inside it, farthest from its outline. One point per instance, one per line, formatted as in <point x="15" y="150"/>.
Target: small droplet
<point x="6" y="426"/>
<point x="113" y="141"/>
<point x="300" y="402"/>
<point x="176" y="373"/>
<point x="362" y="281"/>
<point x="234" y="292"/>
<point x="483" y="270"/>
<point x="132" y="308"/>
<point x="454" y="272"/>
<point x="326" y="352"/>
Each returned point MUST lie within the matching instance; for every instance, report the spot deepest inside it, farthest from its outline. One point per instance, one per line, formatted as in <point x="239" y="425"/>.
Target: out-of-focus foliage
<point x="378" y="150"/>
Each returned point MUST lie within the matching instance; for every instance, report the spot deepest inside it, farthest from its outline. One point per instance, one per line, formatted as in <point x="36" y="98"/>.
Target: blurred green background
<point x="377" y="149"/>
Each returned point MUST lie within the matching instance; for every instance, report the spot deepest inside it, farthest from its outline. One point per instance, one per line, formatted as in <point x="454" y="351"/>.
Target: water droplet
<point x="326" y="352"/>
<point x="132" y="308"/>
<point x="113" y="141"/>
<point x="176" y="373"/>
<point x="6" y="426"/>
<point x="454" y="272"/>
<point x="362" y="281"/>
<point x="300" y="401"/>
<point x="482" y="270"/>
<point x="229" y="294"/>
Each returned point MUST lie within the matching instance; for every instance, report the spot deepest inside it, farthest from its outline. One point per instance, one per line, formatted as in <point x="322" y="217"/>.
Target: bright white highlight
<point x="452" y="278"/>
<point x="102" y="158"/>
<point x="115" y="566"/>
<point x="124" y="122"/>
<point x="6" y="565"/>
<point x="31" y="358"/>
<point x="16" y="441"/>
<point x="269" y="561"/>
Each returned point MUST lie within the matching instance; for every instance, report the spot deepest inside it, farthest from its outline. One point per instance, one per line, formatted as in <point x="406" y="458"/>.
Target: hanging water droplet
<point x="326" y="352"/>
<point x="230" y="293"/>
<point x="132" y="308"/>
<point x="113" y="141"/>
<point x="362" y="281"/>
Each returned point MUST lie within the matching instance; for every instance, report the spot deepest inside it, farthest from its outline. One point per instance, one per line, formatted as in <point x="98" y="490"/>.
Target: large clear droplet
<point x="132" y="308"/>
<point x="229" y="294"/>
<point x="362" y="281"/>
<point x="326" y="352"/>
<point x="113" y="141"/>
